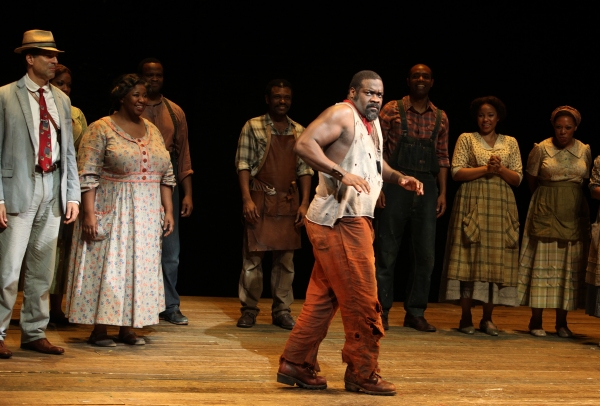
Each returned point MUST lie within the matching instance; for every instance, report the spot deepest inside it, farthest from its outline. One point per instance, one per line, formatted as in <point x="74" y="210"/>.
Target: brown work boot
<point x="247" y="320"/>
<point x="303" y="376"/>
<point x="284" y="320"/>
<point x="374" y="385"/>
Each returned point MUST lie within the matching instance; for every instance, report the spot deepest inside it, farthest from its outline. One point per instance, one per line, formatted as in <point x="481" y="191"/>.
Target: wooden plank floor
<point x="212" y="362"/>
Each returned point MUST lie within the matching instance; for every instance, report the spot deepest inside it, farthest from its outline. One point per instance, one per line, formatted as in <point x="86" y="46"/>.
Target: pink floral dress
<point x="117" y="278"/>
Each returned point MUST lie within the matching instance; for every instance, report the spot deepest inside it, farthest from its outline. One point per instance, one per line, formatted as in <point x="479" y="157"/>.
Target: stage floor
<point x="212" y="362"/>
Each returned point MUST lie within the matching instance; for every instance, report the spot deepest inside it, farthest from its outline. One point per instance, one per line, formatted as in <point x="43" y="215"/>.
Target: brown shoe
<point x="303" y="376"/>
<point x="4" y="351"/>
<point x="284" y="320"/>
<point x="247" y="320"/>
<point x="131" y="338"/>
<point x="418" y="323"/>
<point x="564" y="332"/>
<point x="42" y="345"/>
<point x="374" y="385"/>
<point x="488" y="327"/>
<point x="385" y="322"/>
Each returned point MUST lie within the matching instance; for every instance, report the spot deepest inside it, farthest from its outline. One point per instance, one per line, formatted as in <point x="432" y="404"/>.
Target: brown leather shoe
<point x="247" y="320"/>
<point x="42" y="345"/>
<point x="385" y="322"/>
<point x="4" y="351"/>
<point x="374" y="385"/>
<point x="284" y="320"/>
<point x="303" y="376"/>
<point x="418" y="323"/>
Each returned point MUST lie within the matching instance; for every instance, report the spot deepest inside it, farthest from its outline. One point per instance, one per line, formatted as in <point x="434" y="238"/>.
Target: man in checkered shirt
<point x="269" y="173"/>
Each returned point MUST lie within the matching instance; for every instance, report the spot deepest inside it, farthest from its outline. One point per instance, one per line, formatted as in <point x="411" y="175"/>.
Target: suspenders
<point x="436" y="128"/>
<point x="175" y="125"/>
<point x="404" y="123"/>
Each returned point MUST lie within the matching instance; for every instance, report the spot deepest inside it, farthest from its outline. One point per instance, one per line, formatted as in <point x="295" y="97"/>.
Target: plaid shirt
<point x="253" y="142"/>
<point x="419" y="126"/>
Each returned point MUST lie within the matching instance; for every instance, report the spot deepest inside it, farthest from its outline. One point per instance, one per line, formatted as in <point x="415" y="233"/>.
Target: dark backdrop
<point x="218" y="58"/>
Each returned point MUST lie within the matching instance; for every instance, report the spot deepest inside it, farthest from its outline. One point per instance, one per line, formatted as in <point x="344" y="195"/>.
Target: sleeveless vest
<point x="335" y="200"/>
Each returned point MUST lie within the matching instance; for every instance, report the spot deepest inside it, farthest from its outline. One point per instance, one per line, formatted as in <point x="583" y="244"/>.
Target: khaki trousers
<point x="251" y="280"/>
<point x="32" y="236"/>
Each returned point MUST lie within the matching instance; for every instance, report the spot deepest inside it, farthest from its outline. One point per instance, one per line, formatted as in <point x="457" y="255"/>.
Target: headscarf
<point x="569" y="110"/>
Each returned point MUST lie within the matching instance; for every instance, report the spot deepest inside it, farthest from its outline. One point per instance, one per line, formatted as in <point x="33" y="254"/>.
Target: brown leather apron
<point x="275" y="194"/>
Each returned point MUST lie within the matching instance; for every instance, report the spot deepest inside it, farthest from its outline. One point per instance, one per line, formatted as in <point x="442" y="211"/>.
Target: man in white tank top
<point x="344" y="145"/>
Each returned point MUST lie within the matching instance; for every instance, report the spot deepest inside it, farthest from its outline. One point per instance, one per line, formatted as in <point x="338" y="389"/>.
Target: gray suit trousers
<point x="32" y="236"/>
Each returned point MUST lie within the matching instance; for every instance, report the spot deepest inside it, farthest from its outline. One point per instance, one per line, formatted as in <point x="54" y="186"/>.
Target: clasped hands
<point x="494" y="164"/>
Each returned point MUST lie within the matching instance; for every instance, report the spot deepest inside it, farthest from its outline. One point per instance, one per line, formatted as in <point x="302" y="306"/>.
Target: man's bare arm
<point x="324" y="131"/>
<point x="332" y="131"/>
<point x="407" y="182"/>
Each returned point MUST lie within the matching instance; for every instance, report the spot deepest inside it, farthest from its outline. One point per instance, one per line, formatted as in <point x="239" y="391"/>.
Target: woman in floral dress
<point x="555" y="239"/>
<point x="483" y="235"/>
<point x="115" y="275"/>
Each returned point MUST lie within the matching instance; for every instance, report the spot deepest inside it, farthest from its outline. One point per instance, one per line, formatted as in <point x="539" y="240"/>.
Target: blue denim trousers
<point x="170" y="256"/>
<point x="404" y="208"/>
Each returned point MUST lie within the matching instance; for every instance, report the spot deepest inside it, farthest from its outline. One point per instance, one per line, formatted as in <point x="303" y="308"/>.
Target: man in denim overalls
<point x="415" y="141"/>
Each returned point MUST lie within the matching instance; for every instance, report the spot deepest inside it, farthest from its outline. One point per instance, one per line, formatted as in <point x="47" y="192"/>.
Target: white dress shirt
<point x="35" y="113"/>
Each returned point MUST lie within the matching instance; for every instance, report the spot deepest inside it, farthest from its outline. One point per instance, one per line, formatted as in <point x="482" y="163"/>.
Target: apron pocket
<point x="512" y="231"/>
<point x="471" y="227"/>
<point x="281" y="204"/>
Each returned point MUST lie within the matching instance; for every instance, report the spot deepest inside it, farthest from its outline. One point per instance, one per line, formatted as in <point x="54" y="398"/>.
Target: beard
<point x="372" y="115"/>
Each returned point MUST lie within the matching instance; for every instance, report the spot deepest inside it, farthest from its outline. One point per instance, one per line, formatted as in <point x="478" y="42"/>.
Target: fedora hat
<point x="38" y="39"/>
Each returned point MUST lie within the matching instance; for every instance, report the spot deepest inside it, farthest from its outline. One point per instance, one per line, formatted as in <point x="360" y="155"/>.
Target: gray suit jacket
<point x="17" y="154"/>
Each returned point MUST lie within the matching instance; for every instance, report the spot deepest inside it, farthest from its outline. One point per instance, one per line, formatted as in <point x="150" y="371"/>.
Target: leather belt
<point x="52" y="168"/>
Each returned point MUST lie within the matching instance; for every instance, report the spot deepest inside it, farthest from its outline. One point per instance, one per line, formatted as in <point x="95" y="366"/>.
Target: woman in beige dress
<point x="554" y="247"/>
<point x="126" y="176"/>
<point x="482" y="248"/>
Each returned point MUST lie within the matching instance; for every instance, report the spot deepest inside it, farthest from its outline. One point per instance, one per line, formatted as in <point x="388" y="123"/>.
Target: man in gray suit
<point x="39" y="184"/>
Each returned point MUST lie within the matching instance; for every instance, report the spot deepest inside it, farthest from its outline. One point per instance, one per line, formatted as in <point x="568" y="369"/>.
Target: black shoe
<point x="418" y="323"/>
<point x="174" y="317"/>
<point x="247" y="320"/>
<point x="284" y="320"/>
<point x="60" y="319"/>
<point x="384" y="321"/>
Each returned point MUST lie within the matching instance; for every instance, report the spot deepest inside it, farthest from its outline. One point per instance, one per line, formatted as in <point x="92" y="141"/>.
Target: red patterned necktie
<point x="45" y="152"/>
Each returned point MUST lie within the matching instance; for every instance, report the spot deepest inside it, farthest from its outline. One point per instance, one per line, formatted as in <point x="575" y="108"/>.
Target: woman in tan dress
<point x="126" y="176"/>
<point x="483" y="236"/>
<point x="557" y="226"/>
